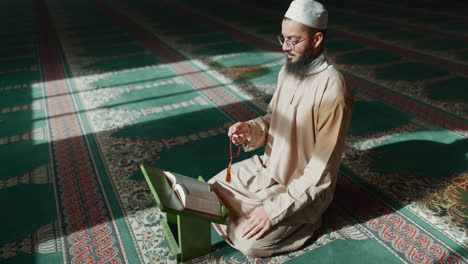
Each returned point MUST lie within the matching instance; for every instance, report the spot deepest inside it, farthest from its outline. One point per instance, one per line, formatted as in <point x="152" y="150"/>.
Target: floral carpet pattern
<point x="90" y="89"/>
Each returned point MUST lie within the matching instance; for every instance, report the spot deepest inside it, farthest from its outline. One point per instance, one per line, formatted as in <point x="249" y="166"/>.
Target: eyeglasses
<point x="290" y="45"/>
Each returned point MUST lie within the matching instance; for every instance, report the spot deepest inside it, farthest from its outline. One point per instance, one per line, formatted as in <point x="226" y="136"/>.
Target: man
<point x="276" y="200"/>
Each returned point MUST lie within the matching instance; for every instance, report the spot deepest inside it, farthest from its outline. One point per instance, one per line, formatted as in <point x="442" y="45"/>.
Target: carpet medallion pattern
<point x="91" y="89"/>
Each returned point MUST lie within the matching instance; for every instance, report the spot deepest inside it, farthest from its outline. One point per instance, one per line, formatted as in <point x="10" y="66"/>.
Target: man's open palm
<point x="257" y="224"/>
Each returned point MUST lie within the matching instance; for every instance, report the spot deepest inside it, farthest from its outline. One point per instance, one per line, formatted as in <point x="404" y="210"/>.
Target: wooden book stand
<point x="187" y="232"/>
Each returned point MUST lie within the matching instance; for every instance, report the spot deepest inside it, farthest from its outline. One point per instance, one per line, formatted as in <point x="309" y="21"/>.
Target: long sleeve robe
<point x="303" y="133"/>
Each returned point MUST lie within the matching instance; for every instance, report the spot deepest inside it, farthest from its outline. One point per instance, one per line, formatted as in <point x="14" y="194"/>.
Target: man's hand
<point x="240" y="131"/>
<point x="257" y="224"/>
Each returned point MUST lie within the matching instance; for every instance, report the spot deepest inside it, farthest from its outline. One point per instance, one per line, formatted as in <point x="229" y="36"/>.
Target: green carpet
<point x="90" y="89"/>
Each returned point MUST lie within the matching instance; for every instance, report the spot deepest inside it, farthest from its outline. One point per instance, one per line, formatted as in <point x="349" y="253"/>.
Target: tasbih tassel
<point x="228" y="173"/>
<point x="231" y="156"/>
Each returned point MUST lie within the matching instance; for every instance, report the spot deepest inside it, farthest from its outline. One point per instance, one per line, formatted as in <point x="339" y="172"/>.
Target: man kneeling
<point x="276" y="200"/>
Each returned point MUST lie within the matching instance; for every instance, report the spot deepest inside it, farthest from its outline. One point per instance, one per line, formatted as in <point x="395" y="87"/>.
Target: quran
<point x="194" y="195"/>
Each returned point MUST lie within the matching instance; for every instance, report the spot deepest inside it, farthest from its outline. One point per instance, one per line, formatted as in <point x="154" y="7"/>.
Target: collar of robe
<point x="317" y="65"/>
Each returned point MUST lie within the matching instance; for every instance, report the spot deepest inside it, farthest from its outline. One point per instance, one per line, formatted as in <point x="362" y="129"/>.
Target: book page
<point x="195" y="195"/>
<point x="172" y="179"/>
<point x="182" y="193"/>
<point x="190" y="184"/>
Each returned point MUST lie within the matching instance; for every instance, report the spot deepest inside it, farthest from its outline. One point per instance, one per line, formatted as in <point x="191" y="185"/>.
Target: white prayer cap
<point x="308" y="12"/>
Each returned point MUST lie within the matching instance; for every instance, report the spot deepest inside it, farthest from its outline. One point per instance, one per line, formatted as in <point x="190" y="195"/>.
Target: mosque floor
<point x="91" y="89"/>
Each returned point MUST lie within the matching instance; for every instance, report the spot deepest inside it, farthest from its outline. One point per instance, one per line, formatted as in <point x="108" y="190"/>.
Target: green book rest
<point x="187" y="232"/>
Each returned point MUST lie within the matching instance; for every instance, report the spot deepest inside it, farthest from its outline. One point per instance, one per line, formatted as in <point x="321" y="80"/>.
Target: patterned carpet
<point x="89" y="89"/>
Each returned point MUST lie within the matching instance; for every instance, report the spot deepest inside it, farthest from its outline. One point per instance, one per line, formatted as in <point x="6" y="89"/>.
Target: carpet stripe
<point x="401" y="25"/>
<point x="398" y="8"/>
<point x="91" y="236"/>
<point x="450" y="122"/>
<point x="460" y="68"/>
<point x="225" y="101"/>
<point x="399" y="233"/>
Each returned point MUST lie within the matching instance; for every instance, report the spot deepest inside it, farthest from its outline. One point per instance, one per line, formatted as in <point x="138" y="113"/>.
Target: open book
<point x="194" y="194"/>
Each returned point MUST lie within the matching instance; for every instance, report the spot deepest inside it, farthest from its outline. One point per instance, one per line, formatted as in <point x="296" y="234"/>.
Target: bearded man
<point x="276" y="200"/>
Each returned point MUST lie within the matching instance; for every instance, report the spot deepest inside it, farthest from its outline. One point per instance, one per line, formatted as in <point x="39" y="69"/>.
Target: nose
<point x="286" y="47"/>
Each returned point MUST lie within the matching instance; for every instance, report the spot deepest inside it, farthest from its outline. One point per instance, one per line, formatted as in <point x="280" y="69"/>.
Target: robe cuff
<point x="247" y="145"/>
<point x="258" y="130"/>
<point x="273" y="211"/>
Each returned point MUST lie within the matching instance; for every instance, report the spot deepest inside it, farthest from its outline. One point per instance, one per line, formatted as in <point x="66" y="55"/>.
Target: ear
<point x="318" y="39"/>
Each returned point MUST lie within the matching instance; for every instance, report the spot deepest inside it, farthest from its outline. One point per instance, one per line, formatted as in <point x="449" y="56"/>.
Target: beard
<point x="299" y="67"/>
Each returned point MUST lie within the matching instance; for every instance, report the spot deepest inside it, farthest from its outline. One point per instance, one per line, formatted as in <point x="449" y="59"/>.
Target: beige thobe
<point x="303" y="133"/>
